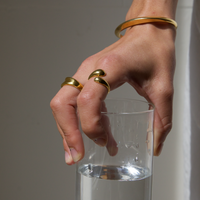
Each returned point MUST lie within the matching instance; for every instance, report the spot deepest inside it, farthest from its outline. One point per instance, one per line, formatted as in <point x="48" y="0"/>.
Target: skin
<point x="145" y="58"/>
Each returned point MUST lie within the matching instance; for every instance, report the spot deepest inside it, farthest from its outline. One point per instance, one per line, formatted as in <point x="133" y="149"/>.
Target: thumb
<point x="162" y="98"/>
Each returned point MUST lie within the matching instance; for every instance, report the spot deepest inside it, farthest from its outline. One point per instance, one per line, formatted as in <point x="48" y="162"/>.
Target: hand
<point x="145" y="58"/>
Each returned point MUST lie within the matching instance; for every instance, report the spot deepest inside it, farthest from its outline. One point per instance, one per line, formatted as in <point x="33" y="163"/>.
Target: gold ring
<point x="102" y="82"/>
<point x="143" y="20"/>
<point x="73" y="82"/>
<point x="97" y="73"/>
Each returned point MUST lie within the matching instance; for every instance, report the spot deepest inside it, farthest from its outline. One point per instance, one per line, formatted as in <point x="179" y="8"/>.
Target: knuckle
<point x="87" y="61"/>
<point x="85" y="98"/>
<point x="108" y="60"/>
<point x="56" y="104"/>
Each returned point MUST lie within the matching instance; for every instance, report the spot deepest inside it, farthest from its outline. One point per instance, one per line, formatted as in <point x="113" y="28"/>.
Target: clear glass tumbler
<point x="123" y="169"/>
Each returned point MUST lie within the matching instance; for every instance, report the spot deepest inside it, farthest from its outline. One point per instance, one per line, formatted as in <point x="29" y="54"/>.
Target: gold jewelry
<point x="73" y="82"/>
<point x="143" y="20"/>
<point x="102" y="82"/>
<point x="98" y="72"/>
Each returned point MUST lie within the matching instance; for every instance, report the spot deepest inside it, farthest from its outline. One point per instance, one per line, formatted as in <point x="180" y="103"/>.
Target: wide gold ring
<point x="73" y="82"/>
<point x="103" y="82"/>
<point x="97" y="73"/>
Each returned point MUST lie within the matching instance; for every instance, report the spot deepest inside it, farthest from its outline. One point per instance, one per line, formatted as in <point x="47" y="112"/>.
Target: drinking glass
<point x="122" y="170"/>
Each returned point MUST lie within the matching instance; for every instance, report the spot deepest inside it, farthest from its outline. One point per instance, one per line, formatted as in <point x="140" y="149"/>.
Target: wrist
<point x="152" y="8"/>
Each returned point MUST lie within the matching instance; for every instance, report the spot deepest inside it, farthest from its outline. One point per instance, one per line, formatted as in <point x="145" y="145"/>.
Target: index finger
<point x="64" y="107"/>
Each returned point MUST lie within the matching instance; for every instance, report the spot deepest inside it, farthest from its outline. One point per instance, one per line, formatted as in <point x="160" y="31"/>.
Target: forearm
<point x="157" y="8"/>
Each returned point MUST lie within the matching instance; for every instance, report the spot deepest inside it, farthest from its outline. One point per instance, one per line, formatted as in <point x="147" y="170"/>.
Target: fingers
<point x="64" y="110"/>
<point x="90" y="105"/>
<point x="95" y="124"/>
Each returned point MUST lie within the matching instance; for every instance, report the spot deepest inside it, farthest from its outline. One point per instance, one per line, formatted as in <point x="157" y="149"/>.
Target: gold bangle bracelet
<point x="143" y="20"/>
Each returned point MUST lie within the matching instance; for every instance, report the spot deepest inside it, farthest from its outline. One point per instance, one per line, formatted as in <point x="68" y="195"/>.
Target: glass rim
<point x="133" y="112"/>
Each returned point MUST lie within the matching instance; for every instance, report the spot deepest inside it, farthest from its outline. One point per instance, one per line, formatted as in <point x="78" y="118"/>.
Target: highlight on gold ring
<point x="97" y="73"/>
<point x="103" y="82"/>
<point x="73" y="82"/>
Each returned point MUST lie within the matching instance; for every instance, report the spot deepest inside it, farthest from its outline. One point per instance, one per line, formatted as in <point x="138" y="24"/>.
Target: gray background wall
<point x="42" y="42"/>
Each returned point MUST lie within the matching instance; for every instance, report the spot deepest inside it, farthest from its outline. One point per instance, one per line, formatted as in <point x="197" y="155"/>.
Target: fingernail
<point x="101" y="142"/>
<point x="75" y="155"/>
<point x="68" y="158"/>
